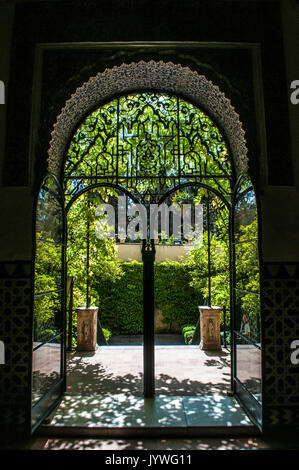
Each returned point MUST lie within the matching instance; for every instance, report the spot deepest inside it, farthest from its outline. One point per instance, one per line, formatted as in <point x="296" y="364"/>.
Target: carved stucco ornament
<point x="161" y="76"/>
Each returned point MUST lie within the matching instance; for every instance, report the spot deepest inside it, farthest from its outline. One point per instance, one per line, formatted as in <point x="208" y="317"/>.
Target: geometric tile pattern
<point x="15" y="321"/>
<point x="279" y="416"/>
<point x="280" y="328"/>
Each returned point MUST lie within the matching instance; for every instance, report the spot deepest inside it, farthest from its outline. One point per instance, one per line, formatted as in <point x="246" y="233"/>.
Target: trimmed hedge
<point x="188" y="332"/>
<point x="174" y="295"/>
<point x="120" y="301"/>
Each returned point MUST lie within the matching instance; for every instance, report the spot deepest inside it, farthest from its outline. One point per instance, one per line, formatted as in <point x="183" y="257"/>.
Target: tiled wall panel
<point x="15" y="332"/>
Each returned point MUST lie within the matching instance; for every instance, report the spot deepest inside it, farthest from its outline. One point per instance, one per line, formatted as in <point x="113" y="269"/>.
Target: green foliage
<point x="227" y="337"/>
<point x="164" y="239"/>
<point x="247" y="279"/>
<point x="145" y="120"/>
<point x="188" y="332"/>
<point x="140" y="126"/>
<point x="174" y="294"/>
<point x="103" y="261"/>
<point x="198" y="262"/>
<point x="102" y="265"/>
<point x="107" y="334"/>
<point x="47" y="304"/>
<point x="247" y="273"/>
<point x="120" y="300"/>
<point x="115" y="286"/>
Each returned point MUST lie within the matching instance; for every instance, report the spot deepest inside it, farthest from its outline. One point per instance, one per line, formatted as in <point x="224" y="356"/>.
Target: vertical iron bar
<point x="117" y="140"/>
<point x="179" y="143"/>
<point x="70" y="322"/>
<point x="224" y="322"/>
<point x="64" y="280"/>
<point x="87" y="256"/>
<point x="148" y="257"/>
<point x="209" y="251"/>
<point x="232" y="297"/>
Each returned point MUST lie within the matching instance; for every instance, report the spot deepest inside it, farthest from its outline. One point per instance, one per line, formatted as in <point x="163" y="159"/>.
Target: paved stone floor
<point x="105" y="387"/>
<point x="126" y="410"/>
<point x="282" y="443"/>
<point x="186" y="377"/>
<point x="180" y="370"/>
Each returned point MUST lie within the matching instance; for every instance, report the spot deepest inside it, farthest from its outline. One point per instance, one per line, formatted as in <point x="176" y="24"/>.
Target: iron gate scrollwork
<point x="147" y="143"/>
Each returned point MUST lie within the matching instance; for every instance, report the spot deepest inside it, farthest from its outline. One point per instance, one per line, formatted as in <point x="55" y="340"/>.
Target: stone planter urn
<point x="209" y="327"/>
<point x="87" y="328"/>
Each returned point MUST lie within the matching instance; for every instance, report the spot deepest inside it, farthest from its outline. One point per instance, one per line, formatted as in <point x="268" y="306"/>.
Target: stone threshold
<point x="147" y="431"/>
<point x="122" y="415"/>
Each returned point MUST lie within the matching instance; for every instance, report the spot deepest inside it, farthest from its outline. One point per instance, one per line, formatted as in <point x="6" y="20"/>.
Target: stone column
<point x="87" y="328"/>
<point x="209" y="327"/>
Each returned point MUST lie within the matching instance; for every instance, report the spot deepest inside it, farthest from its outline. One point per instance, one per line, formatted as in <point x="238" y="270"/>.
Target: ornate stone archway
<point x="167" y="77"/>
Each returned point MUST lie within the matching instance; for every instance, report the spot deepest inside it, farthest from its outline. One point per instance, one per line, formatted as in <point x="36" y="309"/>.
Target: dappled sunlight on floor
<point x="118" y="410"/>
<point x="283" y="442"/>
<point x="180" y="370"/>
<point x="105" y="389"/>
<point x="153" y="444"/>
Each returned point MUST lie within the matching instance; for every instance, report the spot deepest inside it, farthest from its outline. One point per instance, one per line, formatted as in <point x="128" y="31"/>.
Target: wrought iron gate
<point x="149" y="145"/>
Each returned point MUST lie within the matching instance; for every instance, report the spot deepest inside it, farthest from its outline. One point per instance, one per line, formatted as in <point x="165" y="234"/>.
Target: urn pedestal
<point x="87" y="328"/>
<point x="209" y="327"/>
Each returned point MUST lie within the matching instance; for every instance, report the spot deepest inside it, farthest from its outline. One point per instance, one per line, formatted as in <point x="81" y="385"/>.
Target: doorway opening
<point x="100" y="279"/>
<point x="153" y="148"/>
<point x="196" y="273"/>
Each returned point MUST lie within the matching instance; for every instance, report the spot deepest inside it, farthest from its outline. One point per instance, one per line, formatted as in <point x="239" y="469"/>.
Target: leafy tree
<point x="90" y="258"/>
<point x="47" y="302"/>
<point x="248" y="279"/>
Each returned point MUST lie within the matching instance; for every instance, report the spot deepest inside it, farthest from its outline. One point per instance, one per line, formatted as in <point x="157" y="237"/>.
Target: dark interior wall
<point x="170" y="20"/>
<point x="6" y="25"/>
<point x="280" y="204"/>
<point x="122" y="20"/>
<point x="290" y="18"/>
<point x="280" y="215"/>
<point x="15" y="203"/>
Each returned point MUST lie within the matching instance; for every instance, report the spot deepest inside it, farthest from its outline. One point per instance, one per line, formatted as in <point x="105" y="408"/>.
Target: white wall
<point x="128" y="252"/>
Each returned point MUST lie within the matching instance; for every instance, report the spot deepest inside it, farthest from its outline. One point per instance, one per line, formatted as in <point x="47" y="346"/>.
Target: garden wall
<point x="132" y="251"/>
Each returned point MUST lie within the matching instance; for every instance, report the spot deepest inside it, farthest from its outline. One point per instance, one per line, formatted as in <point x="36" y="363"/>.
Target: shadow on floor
<point x="137" y="340"/>
<point x="109" y="444"/>
<point x="85" y="379"/>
